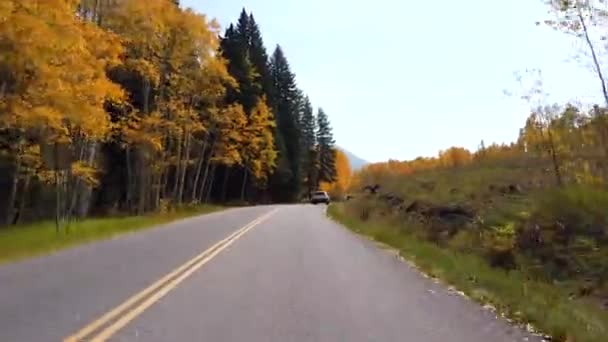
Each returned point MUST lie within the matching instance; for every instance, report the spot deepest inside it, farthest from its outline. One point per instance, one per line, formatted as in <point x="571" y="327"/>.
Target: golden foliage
<point x="259" y="151"/>
<point x="85" y="173"/>
<point x="145" y="76"/>
<point x="455" y="157"/>
<point x="564" y="142"/>
<point x="56" y="72"/>
<point x="343" y="178"/>
<point x="231" y="122"/>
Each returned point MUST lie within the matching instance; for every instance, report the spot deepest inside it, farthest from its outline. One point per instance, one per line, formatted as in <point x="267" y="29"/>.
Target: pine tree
<point x="259" y="56"/>
<point x="284" y="102"/>
<point x="308" y="126"/>
<point x="326" y="149"/>
<point x="235" y="50"/>
<point x="243" y="47"/>
<point x="242" y="29"/>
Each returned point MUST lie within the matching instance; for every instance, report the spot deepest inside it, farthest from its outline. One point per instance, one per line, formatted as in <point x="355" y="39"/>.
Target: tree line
<point x="560" y="145"/>
<point x="126" y="106"/>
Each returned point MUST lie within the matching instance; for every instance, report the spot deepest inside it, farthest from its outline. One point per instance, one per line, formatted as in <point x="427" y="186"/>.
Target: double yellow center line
<point x="114" y="320"/>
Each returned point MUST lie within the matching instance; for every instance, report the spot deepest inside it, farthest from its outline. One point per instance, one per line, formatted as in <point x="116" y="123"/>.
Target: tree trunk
<point x="177" y="169"/>
<point x="180" y="191"/>
<point x="23" y="199"/>
<point x="593" y="54"/>
<point x="129" y="179"/>
<point x="197" y="173"/>
<point x="143" y="183"/>
<point x="211" y="183"/>
<point x="67" y="206"/>
<point x="159" y="185"/>
<point x="164" y="182"/>
<point x="87" y="191"/>
<point x="204" y="180"/>
<point x="166" y="168"/>
<point x="57" y="201"/>
<point x="554" y="159"/>
<point x="146" y="91"/>
<point x="225" y="185"/>
<point x="205" y="175"/>
<point x="76" y="186"/>
<point x="10" y="210"/>
<point x="244" y="184"/>
<point x="57" y="190"/>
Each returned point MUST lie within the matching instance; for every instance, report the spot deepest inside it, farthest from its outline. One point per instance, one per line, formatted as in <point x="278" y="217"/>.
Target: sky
<point x="401" y="79"/>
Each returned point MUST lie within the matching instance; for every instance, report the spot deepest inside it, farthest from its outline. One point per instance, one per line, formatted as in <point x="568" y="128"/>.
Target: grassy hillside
<point x="504" y="233"/>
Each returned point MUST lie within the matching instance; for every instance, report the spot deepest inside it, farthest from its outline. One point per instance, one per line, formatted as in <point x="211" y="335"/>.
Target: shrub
<point x="566" y="233"/>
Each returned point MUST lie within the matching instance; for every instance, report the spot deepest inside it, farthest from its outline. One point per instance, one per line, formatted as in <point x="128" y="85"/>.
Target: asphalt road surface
<point x="268" y="273"/>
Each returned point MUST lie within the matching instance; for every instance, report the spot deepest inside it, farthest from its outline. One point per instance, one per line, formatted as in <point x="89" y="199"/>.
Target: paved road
<point x="296" y="276"/>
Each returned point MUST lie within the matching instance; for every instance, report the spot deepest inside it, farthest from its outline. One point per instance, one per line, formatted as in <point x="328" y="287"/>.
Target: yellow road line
<point x="159" y="288"/>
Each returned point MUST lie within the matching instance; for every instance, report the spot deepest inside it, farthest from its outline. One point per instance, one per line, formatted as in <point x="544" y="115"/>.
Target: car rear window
<point x="320" y="193"/>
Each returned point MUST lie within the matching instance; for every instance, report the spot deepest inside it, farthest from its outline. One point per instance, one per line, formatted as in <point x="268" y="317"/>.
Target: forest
<point x="128" y="107"/>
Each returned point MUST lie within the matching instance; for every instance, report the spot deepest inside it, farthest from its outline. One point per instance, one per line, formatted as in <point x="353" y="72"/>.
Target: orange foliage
<point x="449" y="158"/>
<point x="455" y="157"/>
<point x="344" y="176"/>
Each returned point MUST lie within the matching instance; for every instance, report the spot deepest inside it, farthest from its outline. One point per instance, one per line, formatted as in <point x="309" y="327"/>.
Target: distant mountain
<point x="356" y="162"/>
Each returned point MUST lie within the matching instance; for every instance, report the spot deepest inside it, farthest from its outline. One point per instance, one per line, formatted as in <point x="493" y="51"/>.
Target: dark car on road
<point x="320" y="197"/>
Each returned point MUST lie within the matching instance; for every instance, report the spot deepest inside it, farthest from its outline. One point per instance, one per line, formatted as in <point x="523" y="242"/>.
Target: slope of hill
<point x="499" y="227"/>
<point x="356" y="162"/>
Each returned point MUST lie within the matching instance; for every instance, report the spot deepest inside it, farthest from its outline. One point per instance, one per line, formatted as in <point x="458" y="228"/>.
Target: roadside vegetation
<point x="512" y="294"/>
<point x="34" y="239"/>
<point x="524" y="225"/>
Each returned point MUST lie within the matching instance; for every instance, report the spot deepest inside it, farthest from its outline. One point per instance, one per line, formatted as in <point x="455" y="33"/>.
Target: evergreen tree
<point x="326" y="149"/>
<point x="234" y="49"/>
<point x="308" y="126"/>
<point x="257" y="78"/>
<point x="237" y="49"/>
<point x="242" y="29"/>
<point x="259" y="56"/>
<point x="284" y="102"/>
<point x="244" y="48"/>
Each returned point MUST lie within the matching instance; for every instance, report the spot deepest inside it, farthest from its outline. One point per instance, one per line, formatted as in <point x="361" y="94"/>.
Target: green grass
<point x="543" y="305"/>
<point x="25" y="241"/>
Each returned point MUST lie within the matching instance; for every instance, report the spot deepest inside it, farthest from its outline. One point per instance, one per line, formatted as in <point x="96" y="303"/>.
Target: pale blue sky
<point x="400" y="79"/>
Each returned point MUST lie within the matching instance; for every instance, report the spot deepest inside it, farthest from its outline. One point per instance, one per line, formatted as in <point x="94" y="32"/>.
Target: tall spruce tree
<point x="284" y="102"/>
<point x="248" y="58"/>
<point x="326" y="149"/>
<point x="235" y="50"/>
<point x="243" y="47"/>
<point x="308" y="126"/>
<point x="259" y="56"/>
